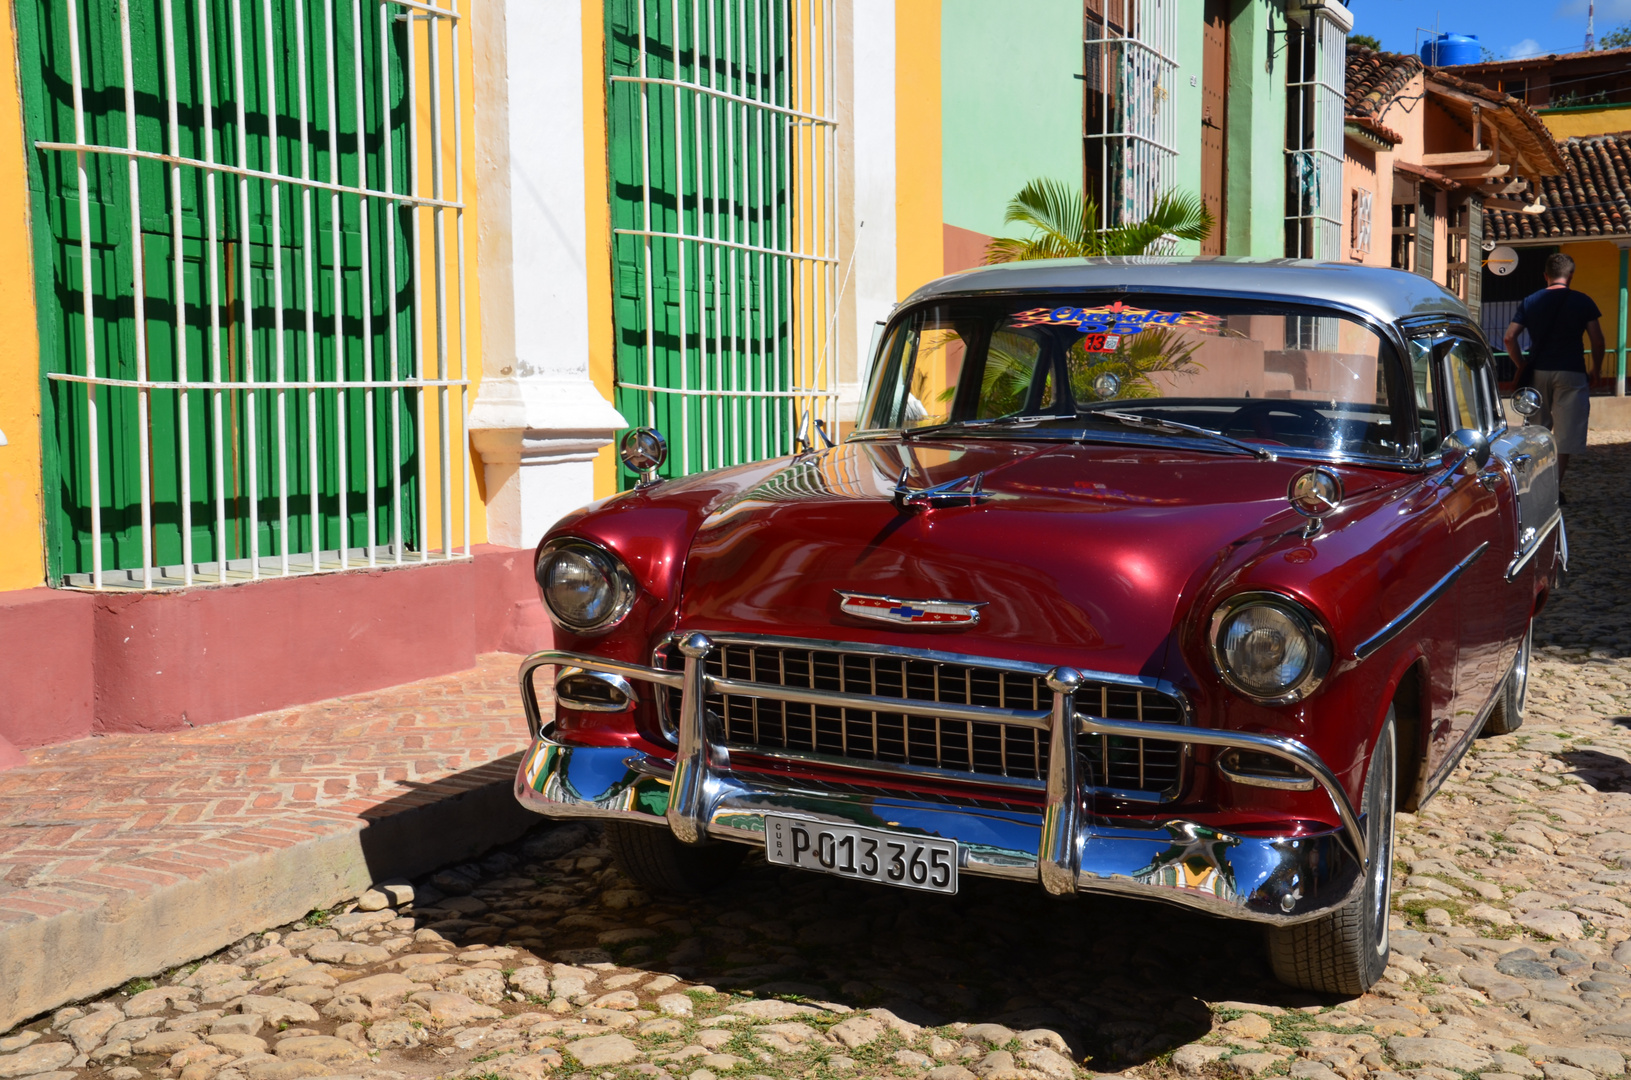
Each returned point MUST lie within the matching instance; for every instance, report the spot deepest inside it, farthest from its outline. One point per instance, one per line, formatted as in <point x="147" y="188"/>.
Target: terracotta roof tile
<point x="1592" y="198"/>
<point x="1373" y="78"/>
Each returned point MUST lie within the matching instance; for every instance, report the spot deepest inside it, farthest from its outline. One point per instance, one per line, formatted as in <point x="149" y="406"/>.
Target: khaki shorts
<point x="1565" y="406"/>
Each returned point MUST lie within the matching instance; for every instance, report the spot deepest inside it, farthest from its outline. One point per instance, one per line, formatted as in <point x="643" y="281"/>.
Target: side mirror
<point x="1471" y="445"/>
<point x="1526" y="402"/>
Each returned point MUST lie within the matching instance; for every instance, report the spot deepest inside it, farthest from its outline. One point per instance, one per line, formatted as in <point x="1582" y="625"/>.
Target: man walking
<point x="1555" y="317"/>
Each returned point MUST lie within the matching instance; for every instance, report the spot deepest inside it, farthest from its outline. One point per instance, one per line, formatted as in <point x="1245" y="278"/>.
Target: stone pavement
<point x="127" y="854"/>
<point x="1512" y="946"/>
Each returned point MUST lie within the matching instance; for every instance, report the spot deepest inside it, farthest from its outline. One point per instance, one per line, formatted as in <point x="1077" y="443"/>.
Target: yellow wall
<point x="471" y="477"/>
<point x="598" y="228"/>
<point x="919" y="232"/>
<point x="1569" y="123"/>
<point x="1597" y="274"/>
<point x="22" y="525"/>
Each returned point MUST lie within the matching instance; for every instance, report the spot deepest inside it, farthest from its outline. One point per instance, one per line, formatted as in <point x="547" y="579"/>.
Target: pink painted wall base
<point x="74" y="664"/>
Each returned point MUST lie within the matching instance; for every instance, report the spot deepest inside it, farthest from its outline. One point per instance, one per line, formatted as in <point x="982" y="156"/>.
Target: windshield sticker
<point x="1118" y="319"/>
<point x="1101" y="342"/>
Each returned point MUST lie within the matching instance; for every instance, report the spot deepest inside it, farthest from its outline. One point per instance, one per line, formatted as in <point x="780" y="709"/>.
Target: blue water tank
<point x="1448" y="49"/>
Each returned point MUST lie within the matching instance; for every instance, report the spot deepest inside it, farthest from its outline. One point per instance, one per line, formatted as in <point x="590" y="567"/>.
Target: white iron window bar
<point x="1316" y="56"/>
<point x="1131" y="134"/>
<point x="292" y="394"/>
<point x="737" y="106"/>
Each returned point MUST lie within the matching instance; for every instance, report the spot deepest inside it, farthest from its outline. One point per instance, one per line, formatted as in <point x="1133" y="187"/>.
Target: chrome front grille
<point x="1003" y="751"/>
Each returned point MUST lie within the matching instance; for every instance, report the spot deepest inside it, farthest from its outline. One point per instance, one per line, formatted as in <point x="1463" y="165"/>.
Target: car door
<point x="1481" y="514"/>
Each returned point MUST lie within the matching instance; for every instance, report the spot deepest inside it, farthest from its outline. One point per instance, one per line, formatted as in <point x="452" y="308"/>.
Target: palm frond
<point x="1177" y="213"/>
<point x="1063" y="223"/>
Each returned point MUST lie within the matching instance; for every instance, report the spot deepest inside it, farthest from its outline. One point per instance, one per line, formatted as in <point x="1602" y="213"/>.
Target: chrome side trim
<point x="1417" y="609"/>
<point x="1532" y="545"/>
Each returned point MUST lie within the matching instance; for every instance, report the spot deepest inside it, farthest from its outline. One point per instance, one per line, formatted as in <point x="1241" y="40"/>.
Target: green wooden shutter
<point x="261" y="468"/>
<point x="703" y="155"/>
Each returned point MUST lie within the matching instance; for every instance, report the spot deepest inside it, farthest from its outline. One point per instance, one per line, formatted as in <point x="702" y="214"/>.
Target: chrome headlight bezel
<point x="1312" y="629"/>
<point x="619" y="580"/>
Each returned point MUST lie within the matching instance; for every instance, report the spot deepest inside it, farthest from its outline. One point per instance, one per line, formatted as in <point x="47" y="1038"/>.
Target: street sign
<point x="1502" y="261"/>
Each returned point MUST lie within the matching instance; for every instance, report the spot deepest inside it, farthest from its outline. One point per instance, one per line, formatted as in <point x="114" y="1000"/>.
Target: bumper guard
<point x="1271" y="879"/>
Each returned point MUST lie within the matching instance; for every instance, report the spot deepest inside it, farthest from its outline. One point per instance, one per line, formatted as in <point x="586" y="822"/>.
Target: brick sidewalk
<point x="127" y="854"/>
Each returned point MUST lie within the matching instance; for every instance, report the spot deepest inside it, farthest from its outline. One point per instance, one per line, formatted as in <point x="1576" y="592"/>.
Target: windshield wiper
<point x="1137" y="420"/>
<point x="1013" y="418"/>
<point x="977" y="425"/>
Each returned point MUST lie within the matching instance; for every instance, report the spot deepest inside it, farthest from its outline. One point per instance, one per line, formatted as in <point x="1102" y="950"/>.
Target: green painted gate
<point x="723" y="239"/>
<point x="198" y="421"/>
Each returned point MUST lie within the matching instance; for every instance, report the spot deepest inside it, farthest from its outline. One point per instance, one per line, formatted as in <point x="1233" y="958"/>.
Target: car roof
<point x="1380" y="292"/>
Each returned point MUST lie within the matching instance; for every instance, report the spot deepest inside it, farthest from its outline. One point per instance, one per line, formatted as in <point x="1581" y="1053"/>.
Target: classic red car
<point x="1163" y="578"/>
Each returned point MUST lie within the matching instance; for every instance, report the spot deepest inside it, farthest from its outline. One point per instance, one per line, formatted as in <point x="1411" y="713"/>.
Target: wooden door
<point x="1214" y="112"/>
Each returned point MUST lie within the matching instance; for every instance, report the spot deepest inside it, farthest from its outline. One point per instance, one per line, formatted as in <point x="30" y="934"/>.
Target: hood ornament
<point x="963" y="491"/>
<point x="923" y="613"/>
<point x="1315" y="493"/>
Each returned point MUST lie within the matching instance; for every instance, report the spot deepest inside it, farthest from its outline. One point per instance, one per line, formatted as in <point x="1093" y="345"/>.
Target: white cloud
<point x="1526" y="47"/>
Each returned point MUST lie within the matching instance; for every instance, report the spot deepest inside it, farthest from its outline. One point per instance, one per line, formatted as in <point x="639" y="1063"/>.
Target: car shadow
<point x="1598" y="770"/>
<point x="1123" y="982"/>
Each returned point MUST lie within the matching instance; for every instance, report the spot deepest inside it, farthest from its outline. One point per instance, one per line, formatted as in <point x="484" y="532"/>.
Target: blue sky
<point x="1507" y="28"/>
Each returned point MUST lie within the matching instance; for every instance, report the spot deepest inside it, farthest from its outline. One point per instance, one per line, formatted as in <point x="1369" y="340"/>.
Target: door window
<point x="1469" y="400"/>
<point x="1421" y="374"/>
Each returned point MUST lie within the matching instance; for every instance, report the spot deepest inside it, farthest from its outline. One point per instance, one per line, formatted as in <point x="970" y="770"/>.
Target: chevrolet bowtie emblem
<point x="926" y="613"/>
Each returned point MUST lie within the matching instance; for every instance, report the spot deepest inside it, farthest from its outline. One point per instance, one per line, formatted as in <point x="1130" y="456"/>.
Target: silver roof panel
<point x="1384" y="294"/>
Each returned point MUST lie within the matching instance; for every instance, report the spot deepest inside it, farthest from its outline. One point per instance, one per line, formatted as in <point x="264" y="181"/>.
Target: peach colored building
<point x="1425" y="155"/>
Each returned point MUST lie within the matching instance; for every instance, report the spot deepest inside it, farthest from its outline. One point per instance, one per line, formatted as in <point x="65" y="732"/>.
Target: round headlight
<point x="1269" y="647"/>
<point x="584" y="587"/>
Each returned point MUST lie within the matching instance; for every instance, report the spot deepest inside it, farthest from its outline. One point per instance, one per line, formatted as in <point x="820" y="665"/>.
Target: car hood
<point x="1082" y="554"/>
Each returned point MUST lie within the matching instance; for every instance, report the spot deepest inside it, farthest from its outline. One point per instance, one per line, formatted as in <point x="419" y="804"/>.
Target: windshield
<point x="1275" y="376"/>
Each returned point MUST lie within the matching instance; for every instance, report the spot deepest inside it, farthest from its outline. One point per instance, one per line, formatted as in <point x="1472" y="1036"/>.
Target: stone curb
<point x="246" y="881"/>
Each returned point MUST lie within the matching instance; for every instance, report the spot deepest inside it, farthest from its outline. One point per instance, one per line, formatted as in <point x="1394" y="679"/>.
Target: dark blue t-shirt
<point x="1556" y="319"/>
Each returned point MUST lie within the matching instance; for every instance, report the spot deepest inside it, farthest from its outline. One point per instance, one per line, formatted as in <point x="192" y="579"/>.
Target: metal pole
<point x="1625" y="272"/>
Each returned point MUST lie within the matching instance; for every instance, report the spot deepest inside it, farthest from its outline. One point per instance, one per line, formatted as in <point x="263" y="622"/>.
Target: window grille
<point x="1316" y="53"/>
<point x="1130" y="125"/>
<point x="1362" y="199"/>
<point x="250" y="297"/>
<point x="723" y="150"/>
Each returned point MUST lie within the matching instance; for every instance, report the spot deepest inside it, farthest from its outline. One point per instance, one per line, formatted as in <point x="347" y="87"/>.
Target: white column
<point x="874" y="133"/>
<point x="538" y="420"/>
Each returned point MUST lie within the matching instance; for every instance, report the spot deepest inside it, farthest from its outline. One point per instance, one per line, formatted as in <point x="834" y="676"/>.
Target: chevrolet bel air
<point x="1165" y="578"/>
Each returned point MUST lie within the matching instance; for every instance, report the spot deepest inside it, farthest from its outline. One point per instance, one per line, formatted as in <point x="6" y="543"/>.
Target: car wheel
<point x="1507" y="716"/>
<point x="655" y="860"/>
<point x="1346" y="951"/>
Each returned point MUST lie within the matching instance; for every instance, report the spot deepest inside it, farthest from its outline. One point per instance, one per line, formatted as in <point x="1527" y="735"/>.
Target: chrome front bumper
<point x="697" y="795"/>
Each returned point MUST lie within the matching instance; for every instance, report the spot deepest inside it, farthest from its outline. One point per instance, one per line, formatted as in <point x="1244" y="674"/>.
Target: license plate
<point x="854" y="851"/>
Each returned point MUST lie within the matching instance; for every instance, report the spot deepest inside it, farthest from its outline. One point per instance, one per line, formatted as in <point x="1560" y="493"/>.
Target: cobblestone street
<point x="1511" y="958"/>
